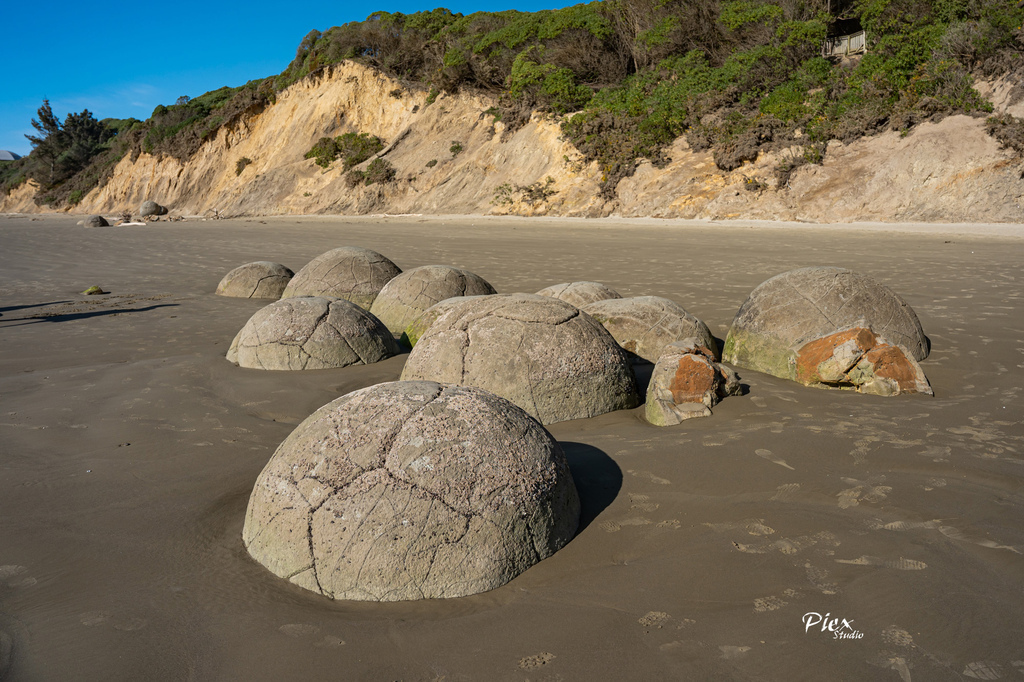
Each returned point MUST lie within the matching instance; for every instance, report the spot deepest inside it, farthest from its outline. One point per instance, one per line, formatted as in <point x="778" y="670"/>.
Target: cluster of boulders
<point x="148" y="210"/>
<point x="446" y="483"/>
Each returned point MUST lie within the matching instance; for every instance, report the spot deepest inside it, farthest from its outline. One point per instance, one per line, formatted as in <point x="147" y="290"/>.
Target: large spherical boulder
<point x="645" y="325"/>
<point x="411" y="490"/>
<point x="409" y="294"/>
<point x="350" y="272"/>
<point x="260" y="279"/>
<point x="95" y="221"/>
<point x="422" y="322"/>
<point x="311" y="333"/>
<point x="579" y="294"/>
<point x="544" y="355"/>
<point x="149" y="208"/>
<point x="829" y="326"/>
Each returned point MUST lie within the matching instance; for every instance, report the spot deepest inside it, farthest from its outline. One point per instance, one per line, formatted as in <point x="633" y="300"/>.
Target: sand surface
<point x="129" y="446"/>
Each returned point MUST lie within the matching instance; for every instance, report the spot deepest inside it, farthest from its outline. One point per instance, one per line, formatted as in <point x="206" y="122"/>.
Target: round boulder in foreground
<point x="542" y="354"/>
<point x="260" y="279"/>
<point x="409" y="294"/>
<point x="350" y="272"/>
<point x="311" y="333"/>
<point x="411" y="490"/>
<point x="789" y="311"/>
<point x="579" y="294"/>
<point x="645" y="325"/>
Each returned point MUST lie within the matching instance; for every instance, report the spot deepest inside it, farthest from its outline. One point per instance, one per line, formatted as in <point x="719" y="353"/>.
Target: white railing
<point x="841" y="46"/>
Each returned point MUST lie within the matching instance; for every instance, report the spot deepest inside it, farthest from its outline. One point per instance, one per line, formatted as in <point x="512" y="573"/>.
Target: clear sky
<point x="121" y="59"/>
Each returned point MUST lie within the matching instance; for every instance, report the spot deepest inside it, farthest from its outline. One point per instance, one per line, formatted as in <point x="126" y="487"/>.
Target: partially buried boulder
<point x="544" y="355"/>
<point x="645" y="325"/>
<point x="149" y="208"/>
<point x="687" y="383"/>
<point x="95" y="221"/>
<point x="260" y="279"/>
<point x="422" y="323"/>
<point x="579" y="294"/>
<point x="311" y="333"/>
<point x="818" y="325"/>
<point x="411" y="490"/>
<point x="409" y="294"/>
<point x="350" y="272"/>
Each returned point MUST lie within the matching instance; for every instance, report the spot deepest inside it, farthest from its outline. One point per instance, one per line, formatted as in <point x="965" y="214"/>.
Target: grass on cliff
<point x="628" y="77"/>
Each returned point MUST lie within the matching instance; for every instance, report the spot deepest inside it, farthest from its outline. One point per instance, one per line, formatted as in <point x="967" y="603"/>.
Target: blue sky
<point x="122" y="59"/>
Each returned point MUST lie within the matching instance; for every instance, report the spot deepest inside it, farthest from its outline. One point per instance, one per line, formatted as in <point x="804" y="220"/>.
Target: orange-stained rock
<point x="687" y="383"/>
<point x="695" y="380"/>
<point x="860" y="359"/>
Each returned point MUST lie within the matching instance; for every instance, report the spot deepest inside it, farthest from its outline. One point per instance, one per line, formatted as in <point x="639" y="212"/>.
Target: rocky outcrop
<point x="260" y="279"/>
<point x="408" y="295"/>
<point x="950" y="171"/>
<point x="830" y="327"/>
<point x="579" y="294"/>
<point x="349" y="272"/>
<point x="311" y="333"/>
<point x="411" y="490"/>
<point x="687" y="383"/>
<point x="542" y="354"/>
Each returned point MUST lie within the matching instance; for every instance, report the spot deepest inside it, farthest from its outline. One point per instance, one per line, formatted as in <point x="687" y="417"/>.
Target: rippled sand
<point x="128" y="447"/>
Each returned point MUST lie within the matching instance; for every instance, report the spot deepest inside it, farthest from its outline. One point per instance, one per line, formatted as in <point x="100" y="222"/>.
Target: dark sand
<point x="128" y="447"/>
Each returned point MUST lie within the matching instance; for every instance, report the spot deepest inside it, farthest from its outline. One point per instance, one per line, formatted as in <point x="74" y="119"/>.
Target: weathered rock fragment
<point x="687" y="383"/>
<point x="645" y="325"/>
<point x="350" y="272"/>
<point x="311" y="333"/>
<point x="858" y="358"/>
<point x="411" y="490"/>
<point x="409" y="294"/>
<point x="542" y="354"/>
<point x="260" y="279"/>
<point x="579" y="294"/>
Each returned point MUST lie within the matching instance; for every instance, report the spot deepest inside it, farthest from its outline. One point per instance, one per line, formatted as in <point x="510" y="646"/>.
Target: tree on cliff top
<point x="62" y="150"/>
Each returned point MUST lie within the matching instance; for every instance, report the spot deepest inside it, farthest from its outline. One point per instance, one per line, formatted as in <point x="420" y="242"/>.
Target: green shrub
<point x="379" y="171"/>
<point x="431" y="163"/>
<point x="455" y="149"/>
<point x="353" y="148"/>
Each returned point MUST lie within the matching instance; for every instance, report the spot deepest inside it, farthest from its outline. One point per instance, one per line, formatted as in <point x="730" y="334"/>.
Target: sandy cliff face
<point x="950" y="171"/>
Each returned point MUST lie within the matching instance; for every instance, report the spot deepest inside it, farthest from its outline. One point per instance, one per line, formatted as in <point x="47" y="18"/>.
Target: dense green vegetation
<point x="630" y="76"/>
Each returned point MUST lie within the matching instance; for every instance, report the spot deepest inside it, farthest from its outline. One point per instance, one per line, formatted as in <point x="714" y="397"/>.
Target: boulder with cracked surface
<point x="259" y="279"/>
<point x="422" y="323"/>
<point x="349" y="272"/>
<point x="545" y="355"/>
<point x="645" y="325"/>
<point x="411" y="293"/>
<point x="834" y="315"/>
<point x="411" y="490"/>
<point x="579" y="294"/>
<point x="311" y="333"/>
<point x="687" y="383"/>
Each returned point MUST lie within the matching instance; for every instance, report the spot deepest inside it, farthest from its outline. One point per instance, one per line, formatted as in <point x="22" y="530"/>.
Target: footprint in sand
<point x="536" y="661"/>
<point x="102" y="618"/>
<point x="767" y="454"/>
<point x="750" y="526"/>
<point x="897" y="636"/>
<point x="862" y="491"/>
<point x="771" y="603"/>
<point x="784" y="492"/>
<point x="657" y="620"/>
<point x="615" y="526"/>
<point x="649" y="476"/>
<point x="900" y="564"/>
<point x="642" y="502"/>
<point x="304" y="630"/>
<point x="730" y="652"/>
<point x="14" y="576"/>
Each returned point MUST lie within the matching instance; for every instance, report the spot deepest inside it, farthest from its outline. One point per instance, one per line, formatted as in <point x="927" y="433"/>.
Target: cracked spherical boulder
<point x="542" y="354"/>
<point x="819" y="325"/>
<point x="645" y="325"/>
<point x="311" y="333"/>
<point x="418" y="326"/>
<point x="579" y="294"/>
<point x="409" y="294"/>
<point x="260" y="279"/>
<point x="350" y="272"/>
<point x="411" y="490"/>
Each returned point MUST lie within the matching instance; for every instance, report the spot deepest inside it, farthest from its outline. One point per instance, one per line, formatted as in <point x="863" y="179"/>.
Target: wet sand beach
<point x="129" y="447"/>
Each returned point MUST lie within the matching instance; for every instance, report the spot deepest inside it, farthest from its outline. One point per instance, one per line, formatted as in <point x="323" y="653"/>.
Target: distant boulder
<point x="408" y="295"/>
<point x="95" y="221"/>
<point x="349" y="272"/>
<point x="149" y="208"/>
<point x="260" y="279"/>
<point x="579" y="294"/>
<point x="645" y="325"/>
